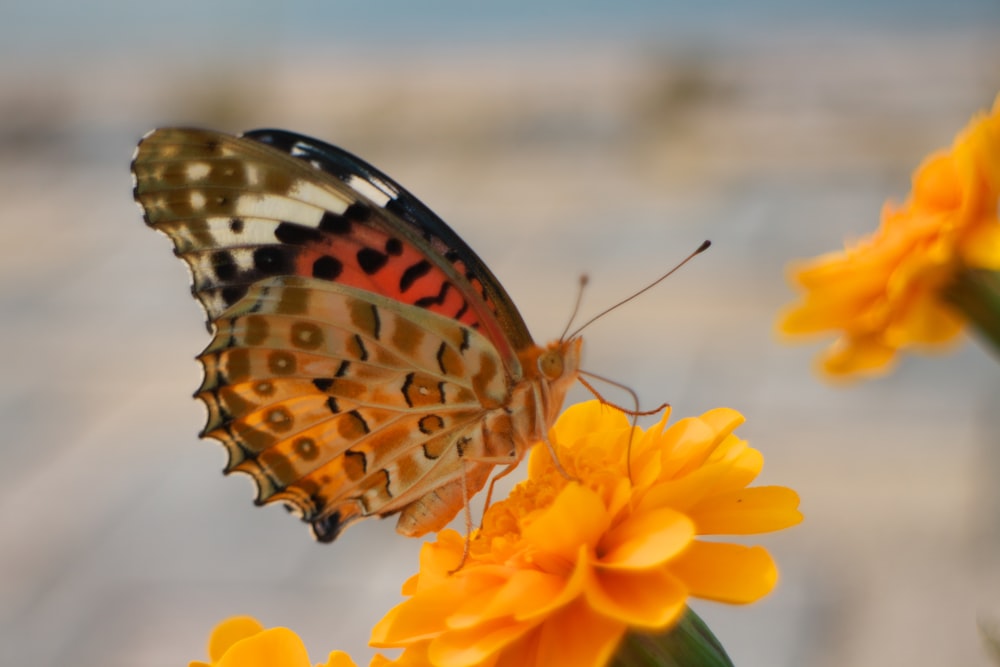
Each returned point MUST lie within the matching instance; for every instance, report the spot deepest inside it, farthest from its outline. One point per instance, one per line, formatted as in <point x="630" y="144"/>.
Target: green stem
<point x="688" y="644"/>
<point x="976" y="294"/>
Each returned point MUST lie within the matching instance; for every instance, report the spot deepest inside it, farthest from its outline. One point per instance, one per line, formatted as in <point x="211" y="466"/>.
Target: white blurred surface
<point x="123" y="545"/>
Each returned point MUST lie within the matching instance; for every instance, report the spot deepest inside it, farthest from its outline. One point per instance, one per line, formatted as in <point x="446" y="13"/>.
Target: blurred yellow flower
<point x="562" y="569"/>
<point x="883" y="293"/>
<point x="243" y="642"/>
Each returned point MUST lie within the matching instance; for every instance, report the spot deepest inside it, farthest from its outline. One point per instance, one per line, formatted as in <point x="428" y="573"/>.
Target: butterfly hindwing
<point x="343" y="403"/>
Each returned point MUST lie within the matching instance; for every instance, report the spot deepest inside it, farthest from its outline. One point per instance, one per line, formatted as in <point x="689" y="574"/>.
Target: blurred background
<point x="557" y="138"/>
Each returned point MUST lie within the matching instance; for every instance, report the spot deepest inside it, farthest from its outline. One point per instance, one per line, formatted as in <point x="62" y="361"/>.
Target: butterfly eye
<point x="550" y="364"/>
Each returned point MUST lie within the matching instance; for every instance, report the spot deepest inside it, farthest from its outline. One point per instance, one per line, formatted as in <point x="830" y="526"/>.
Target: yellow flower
<point x="883" y="293"/>
<point x="562" y="569"/>
<point x="243" y="642"/>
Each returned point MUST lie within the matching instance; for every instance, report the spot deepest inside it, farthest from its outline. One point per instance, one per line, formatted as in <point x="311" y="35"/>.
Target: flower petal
<point x="521" y="596"/>
<point x="584" y="419"/>
<point x="935" y="183"/>
<point x="759" y="509"/>
<point x="717" y="477"/>
<point x="426" y="614"/>
<point x="859" y="355"/>
<point x="646" y="540"/>
<point x="686" y="445"/>
<point x="412" y="656"/>
<point x="723" y="572"/>
<point x="437" y="560"/>
<point x="339" y="659"/>
<point x="723" y="420"/>
<point x="460" y="648"/>
<point x="577" y="637"/>
<point x="650" y="599"/>
<point x="230" y="631"/>
<point x="576" y="517"/>
<point x="275" y="647"/>
<point x="982" y="247"/>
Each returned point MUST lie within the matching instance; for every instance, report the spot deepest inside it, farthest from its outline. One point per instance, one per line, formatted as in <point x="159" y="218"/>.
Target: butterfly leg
<point x="489" y="492"/>
<point x="541" y="403"/>
<point x="511" y="466"/>
<point x="467" y="511"/>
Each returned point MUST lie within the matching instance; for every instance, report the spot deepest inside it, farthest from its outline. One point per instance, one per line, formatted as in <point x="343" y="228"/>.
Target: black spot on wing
<point x="436" y="300"/>
<point x="360" y="420"/>
<point x="232" y="293"/>
<point x="413" y="273"/>
<point x="359" y="458"/>
<point x="371" y="261"/>
<point x="223" y="266"/>
<point x="333" y="223"/>
<point x="327" y="268"/>
<point x="406" y="388"/>
<point x="397" y="207"/>
<point x="362" y="350"/>
<point x="358" y="211"/>
<point x="394" y="247"/>
<point x="272" y="260"/>
<point x="428" y="425"/>
<point x="376" y="324"/>
<point x="442" y="350"/>
<point x="289" y="232"/>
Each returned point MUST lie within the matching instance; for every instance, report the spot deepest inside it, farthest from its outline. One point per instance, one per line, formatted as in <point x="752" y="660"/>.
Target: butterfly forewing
<point x="358" y="174"/>
<point x="239" y="211"/>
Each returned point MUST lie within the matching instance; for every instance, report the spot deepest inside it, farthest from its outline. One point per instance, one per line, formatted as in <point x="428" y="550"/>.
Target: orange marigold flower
<point x="562" y="569"/>
<point x="883" y="293"/>
<point x="243" y="642"/>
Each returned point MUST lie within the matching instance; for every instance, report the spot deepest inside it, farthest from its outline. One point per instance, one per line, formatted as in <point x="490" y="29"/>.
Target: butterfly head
<point x="556" y="367"/>
<point x="560" y="360"/>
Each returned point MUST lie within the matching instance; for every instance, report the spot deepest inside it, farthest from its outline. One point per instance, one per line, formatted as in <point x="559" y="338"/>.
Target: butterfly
<point x="364" y="360"/>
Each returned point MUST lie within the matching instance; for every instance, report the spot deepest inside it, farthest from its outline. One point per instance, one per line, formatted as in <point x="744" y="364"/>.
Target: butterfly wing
<point x="345" y="404"/>
<point x="441" y="240"/>
<point x="290" y="242"/>
<point x="240" y="209"/>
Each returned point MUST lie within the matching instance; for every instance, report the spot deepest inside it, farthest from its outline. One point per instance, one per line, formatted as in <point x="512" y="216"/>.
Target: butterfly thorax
<point x="549" y="372"/>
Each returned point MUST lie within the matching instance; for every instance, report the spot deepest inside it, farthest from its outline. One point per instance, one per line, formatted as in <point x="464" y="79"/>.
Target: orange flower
<point x="562" y="569"/>
<point x="243" y="642"/>
<point x="883" y="294"/>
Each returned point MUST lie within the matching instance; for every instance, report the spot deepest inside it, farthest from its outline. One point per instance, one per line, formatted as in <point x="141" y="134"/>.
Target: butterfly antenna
<point x="702" y="248"/>
<point x="576" y="306"/>
<point x="634" y="414"/>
